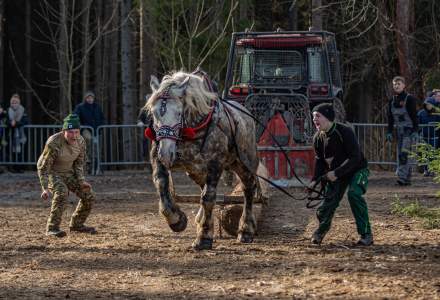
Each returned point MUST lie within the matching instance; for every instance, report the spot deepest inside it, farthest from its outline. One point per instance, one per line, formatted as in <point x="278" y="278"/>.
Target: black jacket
<point x="89" y="114"/>
<point x="335" y="147"/>
<point x="411" y="108"/>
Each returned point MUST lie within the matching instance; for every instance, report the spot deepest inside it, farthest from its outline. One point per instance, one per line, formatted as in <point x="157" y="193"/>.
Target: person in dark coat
<point x="341" y="166"/>
<point x="90" y="114"/>
<point x="429" y="118"/>
<point x="402" y="113"/>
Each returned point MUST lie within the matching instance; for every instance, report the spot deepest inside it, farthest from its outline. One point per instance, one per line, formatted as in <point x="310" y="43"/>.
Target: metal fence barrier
<point x="119" y="145"/>
<point x="23" y="146"/>
<point x="372" y="141"/>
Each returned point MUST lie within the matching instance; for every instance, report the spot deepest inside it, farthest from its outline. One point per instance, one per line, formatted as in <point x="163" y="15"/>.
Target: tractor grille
<point x="293" y="108"/>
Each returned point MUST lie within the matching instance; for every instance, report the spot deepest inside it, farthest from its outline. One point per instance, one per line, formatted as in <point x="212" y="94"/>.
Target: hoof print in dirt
<point x="181" y="225"/>
<point x="245" y="238"/>
<point x="202" y="244"/>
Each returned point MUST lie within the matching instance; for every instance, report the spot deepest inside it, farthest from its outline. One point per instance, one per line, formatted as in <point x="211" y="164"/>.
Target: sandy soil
<point x="136" y="256"/>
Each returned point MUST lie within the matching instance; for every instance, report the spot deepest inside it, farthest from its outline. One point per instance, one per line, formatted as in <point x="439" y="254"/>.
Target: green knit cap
<point x="71" y="122"/>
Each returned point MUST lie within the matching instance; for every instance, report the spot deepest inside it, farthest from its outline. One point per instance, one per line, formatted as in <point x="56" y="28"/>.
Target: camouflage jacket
<point x="50" y="154"/>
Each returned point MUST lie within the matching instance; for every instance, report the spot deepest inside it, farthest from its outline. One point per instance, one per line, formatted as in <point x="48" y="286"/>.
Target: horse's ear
<point x="154" y="83"/>
<point x="179" y="91"/>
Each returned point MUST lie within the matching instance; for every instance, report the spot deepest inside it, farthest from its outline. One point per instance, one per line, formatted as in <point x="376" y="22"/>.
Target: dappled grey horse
<point x="194" y="131"/>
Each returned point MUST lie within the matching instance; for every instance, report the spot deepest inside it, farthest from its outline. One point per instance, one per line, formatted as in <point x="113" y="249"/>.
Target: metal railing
<point x="372" y="141"/>
<point x="23" y="146"/>
<point x="119" y="145"/>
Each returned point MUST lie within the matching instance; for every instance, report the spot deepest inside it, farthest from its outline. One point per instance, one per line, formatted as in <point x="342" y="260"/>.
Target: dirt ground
<point x="136" y="256"/>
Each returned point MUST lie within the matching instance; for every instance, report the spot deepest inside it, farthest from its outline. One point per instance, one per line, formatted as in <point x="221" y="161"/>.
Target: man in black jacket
<point x="90" y="114"/>
<point x="340" y="165"/>
<point x="402" y="113"/>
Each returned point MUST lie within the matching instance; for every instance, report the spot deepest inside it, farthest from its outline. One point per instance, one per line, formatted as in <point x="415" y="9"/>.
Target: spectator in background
<point x="436" y="95"/>
<point x="17" y="119"/>
<point x="3" y="141"/>
<point x="90" y="114"/>
<point x="428" y="117"/>
<point x="402" y="113"/>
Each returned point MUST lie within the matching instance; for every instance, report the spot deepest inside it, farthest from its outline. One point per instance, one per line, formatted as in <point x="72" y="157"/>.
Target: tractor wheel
<point x="339" y="110"/>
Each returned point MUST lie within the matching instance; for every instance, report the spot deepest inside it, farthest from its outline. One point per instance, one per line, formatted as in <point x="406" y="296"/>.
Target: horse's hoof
<point x="245" y="238"/>
<point x="202" y="244"/>
<point x="181" y="224"/>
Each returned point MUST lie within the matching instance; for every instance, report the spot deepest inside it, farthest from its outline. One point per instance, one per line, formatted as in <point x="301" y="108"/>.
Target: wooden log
<point x="221" y="199"/>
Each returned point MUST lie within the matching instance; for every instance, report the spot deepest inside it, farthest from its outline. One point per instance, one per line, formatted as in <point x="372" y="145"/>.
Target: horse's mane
<point x="197" y="99"/>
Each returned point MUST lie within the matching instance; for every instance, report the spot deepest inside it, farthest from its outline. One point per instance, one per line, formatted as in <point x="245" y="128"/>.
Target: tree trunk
<point x="147" y="53"/>
<point x="28" y="55"/>
<point x="2" y="49"/>
<point x="100" y="83"/>
<point x="86" y="42"/>
<point x="128" y="97"/>
<point x="317" y="14"/>
<point x="244" y="8"/>
<point x="403" y="25"/>
<point x="112" y="40"/>
<point x="126" y="64"/>
<point x="293" y="16"/>
<point x="263" y="12"/>
<point x="62" y="63"/>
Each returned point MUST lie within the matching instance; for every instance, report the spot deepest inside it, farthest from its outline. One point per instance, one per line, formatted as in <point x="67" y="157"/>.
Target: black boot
<point x="366" y="239"/>
<point x="317" y="238"/>
<point x="56" y="233"/>
<point x="402" y="182"/>
<point x="83" y="229"/>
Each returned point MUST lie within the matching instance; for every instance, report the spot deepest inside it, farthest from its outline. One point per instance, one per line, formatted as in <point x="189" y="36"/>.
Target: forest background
<point x="52" y="51"/>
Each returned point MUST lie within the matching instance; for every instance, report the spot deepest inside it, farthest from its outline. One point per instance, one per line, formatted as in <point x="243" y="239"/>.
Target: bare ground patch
<point x="136" y="256"/>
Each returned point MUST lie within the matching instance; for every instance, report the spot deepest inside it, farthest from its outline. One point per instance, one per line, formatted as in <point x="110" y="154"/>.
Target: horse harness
<point x="179" y="131"/>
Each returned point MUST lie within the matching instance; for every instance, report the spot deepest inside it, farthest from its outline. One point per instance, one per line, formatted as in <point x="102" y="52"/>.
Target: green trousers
<point x="60" y="186"/>
<point x="357" y="186"/>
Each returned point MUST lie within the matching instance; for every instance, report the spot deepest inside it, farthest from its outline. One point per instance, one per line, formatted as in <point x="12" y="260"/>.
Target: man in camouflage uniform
<point x="60" y="169"/>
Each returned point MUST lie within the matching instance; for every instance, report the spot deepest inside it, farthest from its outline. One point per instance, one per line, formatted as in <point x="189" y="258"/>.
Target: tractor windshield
<point x="268" y="66"/>
<point x="278" y="66"/>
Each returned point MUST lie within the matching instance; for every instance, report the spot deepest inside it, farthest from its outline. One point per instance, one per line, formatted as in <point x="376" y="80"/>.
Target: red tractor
<point x="280" y="76"/>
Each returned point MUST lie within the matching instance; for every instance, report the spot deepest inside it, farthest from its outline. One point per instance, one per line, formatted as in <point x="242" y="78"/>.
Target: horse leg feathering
<point x="204" y="218"/>
<point x="174" y="216"/>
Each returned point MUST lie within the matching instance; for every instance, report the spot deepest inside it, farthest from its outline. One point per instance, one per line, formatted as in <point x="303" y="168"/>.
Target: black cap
<point x="325" y="109"/>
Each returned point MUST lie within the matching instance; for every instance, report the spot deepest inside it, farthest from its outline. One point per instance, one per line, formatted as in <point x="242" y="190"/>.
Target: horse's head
<point x="166" y="110"/>
<point x="175" y="102"/>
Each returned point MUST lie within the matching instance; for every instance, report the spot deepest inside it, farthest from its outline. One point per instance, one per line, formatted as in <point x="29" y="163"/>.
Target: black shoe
<point x="366" y="240"/>
<point x="83" y="229"/>
<point x="402" y="182"/>
<point x="317" y="238"/>
<point x="56" y="233"/>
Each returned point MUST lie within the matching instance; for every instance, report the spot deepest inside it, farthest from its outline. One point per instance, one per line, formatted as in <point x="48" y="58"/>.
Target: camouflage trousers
<point x="60" y="185"/>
